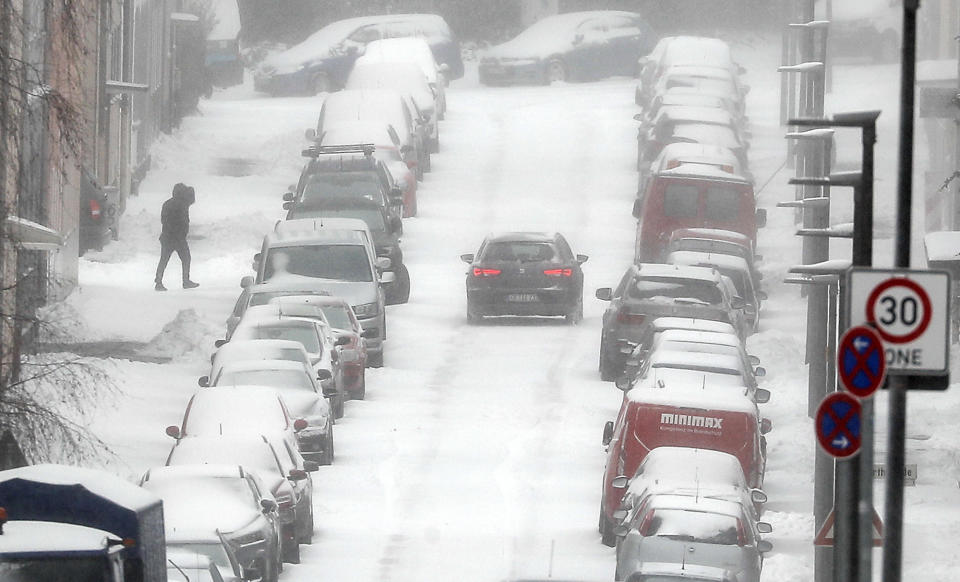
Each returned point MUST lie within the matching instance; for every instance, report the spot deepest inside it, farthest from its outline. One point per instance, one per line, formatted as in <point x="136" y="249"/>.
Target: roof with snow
<point x="664" y="323"/>
<point x="685" y="396"/>
<point x="718" y="260"/>
<point x="699" y="336"/>
<point x="677" y="271"/>
<point x="703" y="171"/>
<point x="36" y="537"/>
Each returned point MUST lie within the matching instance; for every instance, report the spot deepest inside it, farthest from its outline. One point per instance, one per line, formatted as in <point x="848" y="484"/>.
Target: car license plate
<point x="523" y="297"/>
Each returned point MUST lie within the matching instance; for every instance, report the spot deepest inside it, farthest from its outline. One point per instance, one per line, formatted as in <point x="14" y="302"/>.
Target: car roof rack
<point x="317" y="150"/>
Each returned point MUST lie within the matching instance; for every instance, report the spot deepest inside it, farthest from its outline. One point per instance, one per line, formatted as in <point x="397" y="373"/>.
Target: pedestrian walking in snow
<point x="175" y="223"/>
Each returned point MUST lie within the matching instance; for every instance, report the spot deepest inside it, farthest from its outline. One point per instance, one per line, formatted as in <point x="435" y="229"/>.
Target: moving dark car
<point x="525" y="273"/>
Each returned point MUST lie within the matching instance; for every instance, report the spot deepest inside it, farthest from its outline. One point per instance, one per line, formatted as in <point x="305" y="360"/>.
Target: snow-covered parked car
<point x="685" y="51"/>
<point x="736" y="269"/>
<point x="323" y="61"/>
<point x="693" y="530"/>
<point x="302" y="393"/>
<point x="711" y="370"/>
<point x="414" y="51"/>
<point x="283" y="470"/>
<point x="260" y="349"/>
<point x="572" y="46"/>
<point x="406" y="78"/>
<point x="193" y="567"/>
<point x="205" y="506"/>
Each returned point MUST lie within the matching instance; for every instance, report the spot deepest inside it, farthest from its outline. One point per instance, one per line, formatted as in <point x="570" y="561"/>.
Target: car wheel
<point x="375" y="359"/>
<point x="403" y="285"/>
<point x="607" y="537"/>
<point x="427" y="165"/>
<point x="321" y="84"/>
<point x="328" y="451"/>
<point x="271" y="571"/>
<point x="473" y="318"/>
<point x="291" y="549"/>
<point x="362" y="392"/>
<point x="576" y="316"/>
<point x="556" y="71"/>
<point x="608" y="372"/>
<point x="306" y="536"/>
<point x="338" y="407"/>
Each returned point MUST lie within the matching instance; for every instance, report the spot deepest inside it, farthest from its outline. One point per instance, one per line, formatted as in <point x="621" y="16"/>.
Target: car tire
<point x="427" y="164"/>
<point x="272" y="570"/>
<point x="607" y="537"/>
<point x="362" y="392"/>
<point x="473" y="318"/>
<point x="328" y="452"/>
<point x="556" y="71"/>
<point x="321" y="84"/>
<point x="307" y="537"/>
<point x="338" y="406"/>
<point x="402" y="285"/>
<point x="576" y="316"/>
<point x="375" y="359"/>
<point x="608" y="371"/>
<point x="291" y="549"/>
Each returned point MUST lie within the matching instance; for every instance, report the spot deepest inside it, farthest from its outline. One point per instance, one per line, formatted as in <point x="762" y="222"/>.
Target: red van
<point x="679" y="416"/>
<point x="693" y="196"/>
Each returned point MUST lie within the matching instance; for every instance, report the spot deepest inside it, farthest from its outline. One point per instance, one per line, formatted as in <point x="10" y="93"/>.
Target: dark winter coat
<point x="175" y="215"/>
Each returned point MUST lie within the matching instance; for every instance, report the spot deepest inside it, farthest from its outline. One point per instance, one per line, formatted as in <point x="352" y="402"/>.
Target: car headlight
<point x="366" y="309"/>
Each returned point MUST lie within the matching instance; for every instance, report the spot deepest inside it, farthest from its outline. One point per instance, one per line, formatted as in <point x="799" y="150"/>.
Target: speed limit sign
<point x="910" y="311"/>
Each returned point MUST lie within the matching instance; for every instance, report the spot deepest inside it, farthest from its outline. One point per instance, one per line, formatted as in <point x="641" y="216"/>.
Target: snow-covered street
<point x="477" y="454"/>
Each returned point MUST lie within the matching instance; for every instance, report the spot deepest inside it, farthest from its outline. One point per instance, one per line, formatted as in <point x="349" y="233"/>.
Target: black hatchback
<point x="525" y="273"/>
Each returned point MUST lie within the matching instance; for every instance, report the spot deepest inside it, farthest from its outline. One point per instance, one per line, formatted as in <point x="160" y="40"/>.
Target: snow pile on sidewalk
<point x="188" y="335"/>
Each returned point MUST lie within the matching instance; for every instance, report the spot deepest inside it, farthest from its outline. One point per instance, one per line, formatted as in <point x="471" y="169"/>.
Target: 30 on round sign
<point x="900" y="309"/>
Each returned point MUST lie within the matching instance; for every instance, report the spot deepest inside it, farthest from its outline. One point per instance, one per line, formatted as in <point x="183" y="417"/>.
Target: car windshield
<point x="525" y="252"/>
<point x="373" y="217"/>
<point x="669" y="290"/>
<point x="324" y="261"/>
<point x="305" y="334"/>
<point x="722" y="203"/>
<point x="215" y="552"/>
<point x="293" y="379"/>
<point x="258" y="457"/>
<point x="338" y="317"/>
<point x="694" y="526"/>
<point x="341" y="184"/>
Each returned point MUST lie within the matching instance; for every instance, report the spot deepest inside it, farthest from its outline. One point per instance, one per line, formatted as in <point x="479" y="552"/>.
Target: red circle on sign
<point x="921" y="294"/>
<point x="861" y="361"/>
<point x="834" y="434"/>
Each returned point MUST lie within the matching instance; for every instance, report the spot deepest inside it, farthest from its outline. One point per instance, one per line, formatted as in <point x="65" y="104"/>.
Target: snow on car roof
<point x="319" y="230"/>
<point x="705" y="464"/>
<point x="224" y="450"/>
<point x="279" y="311"/>
<point x="311" y="300"/>
<point x="403" y="76"/>
<point x="694" y="113"/>
<point x="697" y="50"/>
<point x="706" y="72"/>
<point x="677" y="271"/>
<point x="719" y="260"/>
<point x="213" y="408"/>
<point x="686" y="396"/>
<point x="942" y="245"/>
<point x="700" y="153"/>
<point x="688" y="502"/>
<point x="521" y="237"/>
<point x="550" y="34"/>
<point x="707" y="133"/>
<point x="246" y="365"/>
<point x="363" y="104"/>
<point x="226" y="20"/>
<point x="30" y="537"/>
<point x="686" y="571"/>
<point x="718" y="233"/>
<point x="667" y="358"/>
<point x="293" y="285"/>
<point x="702" y="171"/>
<point x="104" y="484"/>
<point x="402" y="50"/>
<point x="356" y="132"/>
<point x="664" y="323"/>
<point x="698" y="336"/>
<point x="252" y="348"/>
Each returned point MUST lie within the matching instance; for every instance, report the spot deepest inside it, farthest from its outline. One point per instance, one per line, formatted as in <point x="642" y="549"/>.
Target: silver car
<point x="695" y="529"/>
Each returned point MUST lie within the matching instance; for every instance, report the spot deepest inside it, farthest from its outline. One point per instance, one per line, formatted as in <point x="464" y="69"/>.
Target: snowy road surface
<point x="477" y="455"/>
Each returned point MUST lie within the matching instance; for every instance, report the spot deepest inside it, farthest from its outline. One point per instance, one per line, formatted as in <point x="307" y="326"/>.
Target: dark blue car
<point x="323" y="61"/>
<point x="575" y="46"/>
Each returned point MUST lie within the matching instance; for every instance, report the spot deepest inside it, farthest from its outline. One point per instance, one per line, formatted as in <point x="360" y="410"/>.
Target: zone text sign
<point x="910" y="310"/>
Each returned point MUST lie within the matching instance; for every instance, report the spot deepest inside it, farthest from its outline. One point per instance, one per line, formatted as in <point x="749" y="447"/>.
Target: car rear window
<point x="681" y="201"/>
<point x="273" y="378"/>
<point x="722" y="203"/>
<point x="337" y="316"/>
<point x="371" y="216"/>
<point x="652" y="289"/>
<point x="341" y="184"/>
<point x="693" y="526"/>
<point x="525" y="252"/>
<point x="338" y="262"/>
<point x="305" y="334"/>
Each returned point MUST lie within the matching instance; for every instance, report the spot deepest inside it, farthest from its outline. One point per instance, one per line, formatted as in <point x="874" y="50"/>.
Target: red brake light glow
<point x="624" y="316"/>
<point x="480" y="272"/>
<point x="94" y="209"/>
<point x="558" y="272"/>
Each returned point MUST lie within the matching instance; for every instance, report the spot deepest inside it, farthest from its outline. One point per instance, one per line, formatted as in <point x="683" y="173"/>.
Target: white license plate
<point x="523" y="297"/>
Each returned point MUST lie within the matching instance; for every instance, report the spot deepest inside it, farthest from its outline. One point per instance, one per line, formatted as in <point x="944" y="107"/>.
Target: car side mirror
<point x="383" y="263"/>
<point x="388" y="277"/>
<point x="342" y="340"/>
<point x="246" y="281"/>
<point x="762" y="295"/>
<point x="738" y="303"/>
<point x="406" y="149"/>
<point x="637" y="207"/>
<point x="324" y="375"/>
<point x="288" y="196"/>
<point x="761" y="217"/>
<point x="297" y="475"/>
<point x="203" y="381"/>
<point x="760" y="372"/>
<point x="287" y="205"/>
<point x="763" y="546"/>
<point x="299" y="425"/>
<point x="268" y="505"/>
<point x="467" y="258"/>
<point x="396" y="193"/>
<point x="607" y="432"/>
<point x="330" y="392"/>
<point x="764" y="527"/>
<point x="761" y="396"/>
<point x="443" y="68"/>
<point x="620" y="482"/>
<point x="368" y="334"/>
<point x="310" y="134"/>
<point x="638" y="117"/>
<point x="766" y="425"/>
<point x="173" y="431"/>
<point x="219" y="343"/>
<point x="311" y="466"/>
<point x="758" y="496"/>
<point x="754" y="360"/>
<point x="604" y="294"/>
<point x="581" y="259"/>
<point x="622" y="383"/>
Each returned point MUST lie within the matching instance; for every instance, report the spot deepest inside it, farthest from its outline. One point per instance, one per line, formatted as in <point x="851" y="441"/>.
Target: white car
<point x="411" y="50"/>
<point x="703" y="370"/>
<point x="192" y="567"/>
<point x="300" y="391"/>
<point x="259" y="349"/>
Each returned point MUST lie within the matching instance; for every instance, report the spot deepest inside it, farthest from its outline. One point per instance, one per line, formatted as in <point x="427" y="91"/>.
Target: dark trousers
<point x="167" y="248"/>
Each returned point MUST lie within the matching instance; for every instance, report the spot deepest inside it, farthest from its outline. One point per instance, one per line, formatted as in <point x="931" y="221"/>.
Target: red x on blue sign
<point x="838" y="425"/>
<point x="861" y="363"/>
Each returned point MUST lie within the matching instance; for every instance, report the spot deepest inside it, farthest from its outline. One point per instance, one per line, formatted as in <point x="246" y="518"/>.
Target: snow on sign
<point x="909" y="310"/>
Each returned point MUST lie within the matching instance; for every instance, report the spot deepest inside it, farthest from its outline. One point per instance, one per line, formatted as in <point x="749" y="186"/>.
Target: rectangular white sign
<point x="909" y="473"/>
<point x="910" y="310"/>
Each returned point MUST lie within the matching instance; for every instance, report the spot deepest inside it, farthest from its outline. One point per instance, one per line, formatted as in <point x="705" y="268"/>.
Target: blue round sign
<point x="838" y="425"/>
<point x="861" y="362"/>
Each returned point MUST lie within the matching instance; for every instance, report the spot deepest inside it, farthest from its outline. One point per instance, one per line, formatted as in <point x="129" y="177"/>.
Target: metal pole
<point x="893" y="507"/>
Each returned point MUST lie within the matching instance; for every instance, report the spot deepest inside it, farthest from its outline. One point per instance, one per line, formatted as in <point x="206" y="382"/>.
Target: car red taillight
<point x="94" y="209"/>
<point x="624" y="316"/>
<point x="480" y="272"/>
<point x="558" y="272"/>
